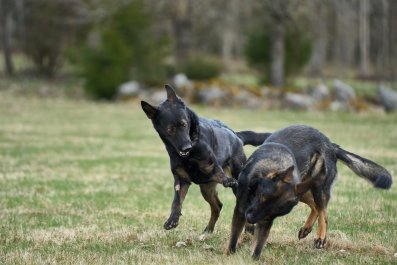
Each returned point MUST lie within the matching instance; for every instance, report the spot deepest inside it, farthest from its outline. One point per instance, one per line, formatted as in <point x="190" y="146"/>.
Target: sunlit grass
<point x="84" y="182"/>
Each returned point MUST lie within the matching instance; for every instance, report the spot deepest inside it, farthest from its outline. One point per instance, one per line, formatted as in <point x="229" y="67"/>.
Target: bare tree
<point x="320" y="25"/>
<point x="278" y="53"/>
<point x="383" y="58"/>
<point x="279" y="14"/>
<point x="181" y="25"/>
<point x="50" y="26"/>
<point x="5" y="17"/>
<point x="229" y="30"/>
<point x="20" y="21"/>
<point x="345" y="37"/>
<point x="364" y="40"/>
<point x="393" y="39"/>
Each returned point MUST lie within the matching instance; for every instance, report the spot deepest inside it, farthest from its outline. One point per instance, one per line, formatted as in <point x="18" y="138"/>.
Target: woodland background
<point x="100" y="44"/>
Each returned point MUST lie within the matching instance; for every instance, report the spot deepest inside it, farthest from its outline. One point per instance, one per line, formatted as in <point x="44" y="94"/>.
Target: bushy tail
<point x="365" y="168"/>
<point x="252" y="138"/>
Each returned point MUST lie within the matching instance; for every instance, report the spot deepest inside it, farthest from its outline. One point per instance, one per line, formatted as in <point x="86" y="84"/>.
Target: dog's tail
<point x="252" y="138"/>
<point x="365" y="168"/>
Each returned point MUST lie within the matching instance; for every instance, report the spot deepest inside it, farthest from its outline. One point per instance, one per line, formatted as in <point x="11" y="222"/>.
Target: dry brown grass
<point x="89" y="183"/>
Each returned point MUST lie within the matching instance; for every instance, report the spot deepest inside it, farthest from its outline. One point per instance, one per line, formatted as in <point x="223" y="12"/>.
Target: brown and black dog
<point x="294" y="164"/>
<point x="200" y="151"/>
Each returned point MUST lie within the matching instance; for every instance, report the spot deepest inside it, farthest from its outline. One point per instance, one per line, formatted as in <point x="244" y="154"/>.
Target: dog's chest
<point x="198" y="172"/>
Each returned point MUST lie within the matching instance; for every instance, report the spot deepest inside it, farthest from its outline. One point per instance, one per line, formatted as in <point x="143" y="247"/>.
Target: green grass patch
<point x="363" y="88"/>
<point x="84" y="182"/>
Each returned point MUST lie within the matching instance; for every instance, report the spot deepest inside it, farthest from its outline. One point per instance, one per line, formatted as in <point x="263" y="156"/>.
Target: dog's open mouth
<point x="184" y="154"/>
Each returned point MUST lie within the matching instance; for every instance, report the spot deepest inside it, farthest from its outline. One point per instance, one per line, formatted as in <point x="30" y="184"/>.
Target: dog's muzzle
<point x="185" y="150"/>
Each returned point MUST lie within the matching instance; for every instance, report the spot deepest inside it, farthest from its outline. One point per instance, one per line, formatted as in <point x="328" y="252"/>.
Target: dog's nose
<point x="187" y="148"/>
<point x="184" y="151"/>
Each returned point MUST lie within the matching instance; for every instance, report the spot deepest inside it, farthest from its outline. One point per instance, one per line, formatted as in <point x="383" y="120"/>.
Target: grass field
<point x="89" y="183"/>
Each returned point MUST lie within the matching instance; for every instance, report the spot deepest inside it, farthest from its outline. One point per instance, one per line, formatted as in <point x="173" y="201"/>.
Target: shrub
<point x="297" y="49"/>
<point x="201" y="68"/>
<point x="49" y="28"/>
<point x="128" y="51"/>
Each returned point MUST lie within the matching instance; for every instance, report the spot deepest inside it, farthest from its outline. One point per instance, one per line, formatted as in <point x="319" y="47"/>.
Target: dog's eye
<point x="170" y="129"/>
<point x="183" y="123"/>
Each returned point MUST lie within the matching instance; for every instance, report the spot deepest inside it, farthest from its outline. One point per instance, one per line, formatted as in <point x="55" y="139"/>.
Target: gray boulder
<point x="247" y="99"/>
<point x="339" y="106"/>
<point x="182" y="82"/>
<point x="344" y="92"/>
<point x="388" y="98"/>
<point x="129" y="89"/>
<point x="299" y="101"/>
<point x="320" y="92"/>
<point x="265" y="91"/>
<point x="212" y="96"/>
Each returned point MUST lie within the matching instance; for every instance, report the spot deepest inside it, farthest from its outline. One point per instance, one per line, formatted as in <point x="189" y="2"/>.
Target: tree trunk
<point x="320" y="25"/>
<point x="345" y="40"/>
<point x="227" y="49"/>
<point x="364" y="38"/>
<point x="229" y="29"/>
<point x="20" y="19"/>
<point x="277" y="53"/>
<point x="181" y="27"/>
<point x="5" y="37"/>
<point x="393" y="40"/>
<point x="384" y="51"/>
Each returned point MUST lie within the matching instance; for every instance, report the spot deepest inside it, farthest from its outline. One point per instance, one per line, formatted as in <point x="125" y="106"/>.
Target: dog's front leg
<point x="180" y="190"/>
<point x="219" y="176"/>
<point x="261" y="234"/>
<point x="238" y="222"/>
<point x="209" y="165"/>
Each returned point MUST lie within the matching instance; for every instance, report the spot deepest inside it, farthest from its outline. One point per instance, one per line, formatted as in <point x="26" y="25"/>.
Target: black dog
<point x="294" y="164"/>
<point x="200" y="151"/>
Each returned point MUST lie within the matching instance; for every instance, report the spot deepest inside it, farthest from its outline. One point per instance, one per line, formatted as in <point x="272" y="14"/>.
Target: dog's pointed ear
<point x="194" y="131"/>
<point x="287" y="175"/>
<point x="171" y="95"/>
<point x="151" y="111"/>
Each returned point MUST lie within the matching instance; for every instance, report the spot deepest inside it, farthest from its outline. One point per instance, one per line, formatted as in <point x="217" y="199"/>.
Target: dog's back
<point x="223" y="140"/>
<point x="304" y="142"/>
<point x="316" y="158"/>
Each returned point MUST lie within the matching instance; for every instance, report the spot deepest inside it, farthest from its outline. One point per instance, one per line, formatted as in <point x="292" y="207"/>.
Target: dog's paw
<point x="204" y="236"/>
<point x="255" y="256"/>
<point x="319" y="243"/>
<point x="172" y="222"/>
<point x="208" y="230"/>
<point x="303" y="232"/>
<point x="230" y="182"/>
<point x="229" y="250"/>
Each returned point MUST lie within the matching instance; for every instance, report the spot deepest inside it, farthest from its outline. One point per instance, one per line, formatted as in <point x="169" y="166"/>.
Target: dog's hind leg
<point x="321" y="196"/>
<point x="211" y="196"/>
<point x="321" y="239"/>
<point x="307" y="198"/>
